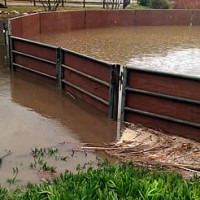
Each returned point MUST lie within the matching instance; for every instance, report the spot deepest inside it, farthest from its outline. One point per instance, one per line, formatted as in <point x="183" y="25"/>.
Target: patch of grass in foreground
<point x="110" y="182"/>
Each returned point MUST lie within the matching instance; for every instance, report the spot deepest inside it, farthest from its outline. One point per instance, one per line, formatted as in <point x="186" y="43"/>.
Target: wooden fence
<point x="165" y="101"/>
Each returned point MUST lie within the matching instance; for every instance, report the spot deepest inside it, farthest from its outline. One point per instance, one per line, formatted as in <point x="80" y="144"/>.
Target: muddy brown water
<point x="35" y="114"/>
<point x="170" y="49"/>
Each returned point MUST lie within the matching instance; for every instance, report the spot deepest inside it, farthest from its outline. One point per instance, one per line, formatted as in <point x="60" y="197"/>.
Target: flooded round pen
<point x="168" y="49"/>
<point x="36" y="115"/>
<point x="158" y="75"/>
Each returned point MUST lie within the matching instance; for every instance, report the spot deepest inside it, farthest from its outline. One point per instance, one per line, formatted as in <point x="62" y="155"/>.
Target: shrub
<point x="159" y="4"/>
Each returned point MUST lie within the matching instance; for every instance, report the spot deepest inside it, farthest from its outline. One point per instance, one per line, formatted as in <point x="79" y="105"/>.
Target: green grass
<point x="110" y="182"/>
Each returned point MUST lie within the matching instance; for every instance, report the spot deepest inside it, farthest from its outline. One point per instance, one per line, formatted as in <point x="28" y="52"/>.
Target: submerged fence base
<point x="161" y="100"/>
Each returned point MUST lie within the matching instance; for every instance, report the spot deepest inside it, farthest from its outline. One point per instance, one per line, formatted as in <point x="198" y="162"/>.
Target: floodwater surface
<point x="34" y="114"/>
<point x="170" y="49"/>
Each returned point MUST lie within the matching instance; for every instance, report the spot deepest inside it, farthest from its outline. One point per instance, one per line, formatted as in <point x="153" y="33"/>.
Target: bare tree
<point x="51" y="5"/>
<point x="111" y="4"/>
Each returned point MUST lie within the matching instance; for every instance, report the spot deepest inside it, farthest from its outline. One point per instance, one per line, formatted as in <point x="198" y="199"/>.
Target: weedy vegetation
<point x="110" y="182"/>
<point x="14" y="179"/>
<point x="39" y="156"/>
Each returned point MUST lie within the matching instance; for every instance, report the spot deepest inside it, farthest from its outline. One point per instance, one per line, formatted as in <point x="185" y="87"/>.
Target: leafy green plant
<point x="48" y="168"/>
<point x="3" y="192"/>
<point x="39" y="154"/>
<point x="52" y="151"/>
<point x="110" y="181"/>
<point x="64" y="158"/>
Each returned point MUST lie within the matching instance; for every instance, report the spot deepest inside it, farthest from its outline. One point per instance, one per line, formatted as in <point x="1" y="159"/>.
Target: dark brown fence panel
<point x="16" y="28"/>
<point x="26" y="55"/>
<point x="86" y="65"/>
<point x="25" y="26"/>
<point x="90" y="80"/>
<point x="101" y="91"/>
<point x="32" y="63"/>
<point x="62" y="21"/>
<point x="163" y="17"/>
<point x="195" y="18"/>
<point x="160" y="105"/>
<point x="165" y="84"/>
<point x="35" y="49"/>
<point x="162" y="100"/>
<point x="55" y="22"/>
<point x="31" y="25"/>
<point x="95" y="18"/>
<point x="77" y="20"/>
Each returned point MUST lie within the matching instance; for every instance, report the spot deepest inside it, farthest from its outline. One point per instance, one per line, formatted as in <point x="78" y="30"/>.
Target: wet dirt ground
<point x="34" y="114"/>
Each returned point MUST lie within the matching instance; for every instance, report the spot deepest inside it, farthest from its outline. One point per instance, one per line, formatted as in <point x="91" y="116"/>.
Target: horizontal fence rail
<point x="162" y="100"/>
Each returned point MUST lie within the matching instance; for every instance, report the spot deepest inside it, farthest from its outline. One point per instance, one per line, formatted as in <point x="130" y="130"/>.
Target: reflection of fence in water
<point x="45" y="100"/>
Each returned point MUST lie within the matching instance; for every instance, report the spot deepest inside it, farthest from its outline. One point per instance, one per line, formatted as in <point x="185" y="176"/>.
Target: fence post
<point x="11" y="53"/>
<point x="123" y="97"/>
<point x="119" y="102"/>
<point x="120" y="91"/>
<point x="113" y="93"/>
<point x="5" y="33"/>
<point x="59" y="71"/>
